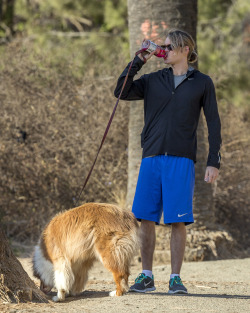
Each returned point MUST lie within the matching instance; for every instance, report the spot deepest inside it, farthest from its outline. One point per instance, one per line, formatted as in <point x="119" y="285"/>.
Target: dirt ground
<point x="214" y="286"/>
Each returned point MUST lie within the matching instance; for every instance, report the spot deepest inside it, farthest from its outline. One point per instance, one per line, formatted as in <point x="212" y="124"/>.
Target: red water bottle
<point x="149" y="46"/>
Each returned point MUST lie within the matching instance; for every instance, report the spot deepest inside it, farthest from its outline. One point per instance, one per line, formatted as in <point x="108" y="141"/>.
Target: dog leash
<point x="107" y="129"/>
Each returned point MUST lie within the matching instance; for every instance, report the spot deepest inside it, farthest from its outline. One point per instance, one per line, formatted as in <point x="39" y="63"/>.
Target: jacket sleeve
<point x="133" y="90"/>
<point x="210" y="109"/>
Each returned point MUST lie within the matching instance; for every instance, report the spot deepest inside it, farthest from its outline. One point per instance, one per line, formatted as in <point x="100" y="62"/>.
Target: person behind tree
<point x="173" y="98"/>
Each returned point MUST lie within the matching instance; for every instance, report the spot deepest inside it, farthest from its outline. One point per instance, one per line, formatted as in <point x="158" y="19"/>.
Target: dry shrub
<point x="51" y="128"/>
<point x="232" y="193"/>
<point x="65" y="119"/>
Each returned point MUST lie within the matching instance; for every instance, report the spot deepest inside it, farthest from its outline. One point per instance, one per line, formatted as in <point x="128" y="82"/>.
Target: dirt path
<point x="215" y="286"/>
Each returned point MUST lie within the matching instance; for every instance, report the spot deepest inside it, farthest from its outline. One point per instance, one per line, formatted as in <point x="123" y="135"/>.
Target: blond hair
<point x="180" y="39"/>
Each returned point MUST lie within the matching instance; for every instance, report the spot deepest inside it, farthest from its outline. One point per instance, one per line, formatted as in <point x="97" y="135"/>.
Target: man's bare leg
<point x="145" y="282"/>
<point x="177" y="246"/>
<point x="147" y="233"/>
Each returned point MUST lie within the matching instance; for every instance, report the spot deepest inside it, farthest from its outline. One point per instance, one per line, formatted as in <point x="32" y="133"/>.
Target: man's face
<point x="175" y="56"/>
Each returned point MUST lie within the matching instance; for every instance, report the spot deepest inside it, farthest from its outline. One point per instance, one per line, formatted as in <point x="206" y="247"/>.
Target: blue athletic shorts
<point x="165" y="185"/>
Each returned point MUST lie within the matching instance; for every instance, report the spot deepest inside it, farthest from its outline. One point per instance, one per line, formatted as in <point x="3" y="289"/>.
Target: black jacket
<point x="171" y="114"/>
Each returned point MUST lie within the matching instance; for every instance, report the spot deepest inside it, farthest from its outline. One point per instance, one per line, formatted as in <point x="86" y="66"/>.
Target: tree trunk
<point x="15" y="284"/>
<point x="151" y="20"/>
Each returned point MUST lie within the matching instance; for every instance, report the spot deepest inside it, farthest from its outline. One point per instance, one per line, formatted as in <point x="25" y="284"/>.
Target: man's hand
<point x="146" y="55"/>
<point x="211" y="174"/>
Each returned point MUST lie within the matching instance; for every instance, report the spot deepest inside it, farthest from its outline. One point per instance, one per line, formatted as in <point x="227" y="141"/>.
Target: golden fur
<point x="74" y="239"/>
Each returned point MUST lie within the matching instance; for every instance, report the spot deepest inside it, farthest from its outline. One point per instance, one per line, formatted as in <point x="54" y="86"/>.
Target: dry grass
<point x="65" y="119"/>
<point x="232" y="194"/>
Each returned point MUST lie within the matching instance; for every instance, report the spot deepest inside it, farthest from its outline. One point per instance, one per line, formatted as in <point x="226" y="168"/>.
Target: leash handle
<point x="140" y="51"/>
<point x="106" y="132"/>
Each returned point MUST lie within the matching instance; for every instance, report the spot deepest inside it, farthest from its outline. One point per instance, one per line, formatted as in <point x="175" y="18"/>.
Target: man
<point x="173" y="98"/>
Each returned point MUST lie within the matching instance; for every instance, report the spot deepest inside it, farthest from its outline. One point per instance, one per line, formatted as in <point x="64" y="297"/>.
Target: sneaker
<point x="176" y="286"/>
<point x="143" y="283"/>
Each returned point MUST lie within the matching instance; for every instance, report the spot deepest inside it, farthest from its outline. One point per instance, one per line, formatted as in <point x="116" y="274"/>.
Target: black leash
<point x="106" y="131"/>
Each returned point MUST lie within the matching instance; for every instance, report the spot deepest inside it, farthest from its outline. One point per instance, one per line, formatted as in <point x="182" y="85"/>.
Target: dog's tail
<point x="125" y="247"/>
<point x="116" y="250"/>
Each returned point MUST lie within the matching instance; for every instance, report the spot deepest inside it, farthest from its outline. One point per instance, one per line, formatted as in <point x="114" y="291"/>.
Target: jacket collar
<point x="190" y="71"/>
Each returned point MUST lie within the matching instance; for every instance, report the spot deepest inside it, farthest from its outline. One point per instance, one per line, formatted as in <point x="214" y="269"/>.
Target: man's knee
<point x="178" y="225"/>
<point x="147" y="223"/>
<point x="147" y="228"/>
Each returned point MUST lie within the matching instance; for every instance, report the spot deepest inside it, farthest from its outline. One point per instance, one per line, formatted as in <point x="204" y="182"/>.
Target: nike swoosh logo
<point x="146" y="284"/>
<point x="180" y="215"/>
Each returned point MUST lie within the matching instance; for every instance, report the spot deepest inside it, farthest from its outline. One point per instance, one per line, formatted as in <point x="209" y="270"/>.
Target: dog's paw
<point x="112" y="293"/>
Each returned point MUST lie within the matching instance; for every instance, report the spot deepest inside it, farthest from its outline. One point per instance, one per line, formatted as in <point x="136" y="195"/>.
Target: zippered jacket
<point x="171" y="115"/>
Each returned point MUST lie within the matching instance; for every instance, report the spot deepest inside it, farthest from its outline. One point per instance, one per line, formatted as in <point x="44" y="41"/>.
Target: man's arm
<point x="214" y="132"/>
<point x="133" y="90"/>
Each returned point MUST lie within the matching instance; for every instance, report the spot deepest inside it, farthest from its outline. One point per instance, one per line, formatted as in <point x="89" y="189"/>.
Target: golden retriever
<point x="74" y="239"/>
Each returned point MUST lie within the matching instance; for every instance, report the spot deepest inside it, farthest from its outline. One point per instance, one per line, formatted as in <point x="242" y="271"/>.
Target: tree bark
<point x="15" y="284"/>
<point x="151" y="20"/>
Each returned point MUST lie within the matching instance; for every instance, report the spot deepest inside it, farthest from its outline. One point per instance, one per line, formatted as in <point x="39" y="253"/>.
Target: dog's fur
<point x="74" y="239"/>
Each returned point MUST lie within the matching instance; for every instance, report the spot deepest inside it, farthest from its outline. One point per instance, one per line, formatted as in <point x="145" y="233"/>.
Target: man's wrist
<point x="139" y="61"/>
<point x="214" y="165"/>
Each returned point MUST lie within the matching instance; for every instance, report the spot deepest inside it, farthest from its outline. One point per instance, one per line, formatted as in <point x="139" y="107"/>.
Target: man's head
<point x="180" y="46"/>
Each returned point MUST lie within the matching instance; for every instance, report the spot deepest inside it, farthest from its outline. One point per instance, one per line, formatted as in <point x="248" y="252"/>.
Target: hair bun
<point x="193" y="57"/>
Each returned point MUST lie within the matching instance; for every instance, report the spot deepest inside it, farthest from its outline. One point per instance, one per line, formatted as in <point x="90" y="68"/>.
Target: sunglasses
<point x="169" y="47"/>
